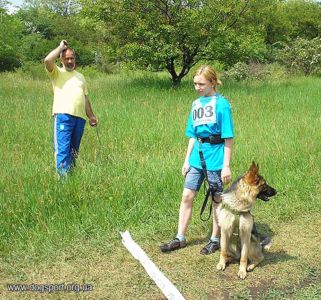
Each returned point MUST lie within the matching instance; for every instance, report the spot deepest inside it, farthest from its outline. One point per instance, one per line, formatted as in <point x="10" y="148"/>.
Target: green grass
<point x="52" y="230"/>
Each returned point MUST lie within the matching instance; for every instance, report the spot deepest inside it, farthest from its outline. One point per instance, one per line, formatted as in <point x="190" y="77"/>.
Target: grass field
<point x="128" y="178"/>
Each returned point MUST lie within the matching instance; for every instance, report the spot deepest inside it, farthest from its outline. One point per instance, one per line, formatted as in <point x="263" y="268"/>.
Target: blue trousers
<point x="67" y="134"/>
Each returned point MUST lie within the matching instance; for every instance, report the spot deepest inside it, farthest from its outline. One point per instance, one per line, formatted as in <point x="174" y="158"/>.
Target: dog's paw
<point x="250" y="267"/>
<point x="221" y="266"/>
<point x="242" y="274"/>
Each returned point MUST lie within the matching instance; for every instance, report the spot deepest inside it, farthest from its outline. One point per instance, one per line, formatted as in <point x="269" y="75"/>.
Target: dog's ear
<point x="252" y="175"/>
<point x="254" y="166"/>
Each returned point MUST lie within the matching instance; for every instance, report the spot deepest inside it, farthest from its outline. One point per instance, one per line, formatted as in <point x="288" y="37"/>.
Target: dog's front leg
<point x="243" y="261"/>
<point x="225" y="255"/>
<point x="245" y="237"/>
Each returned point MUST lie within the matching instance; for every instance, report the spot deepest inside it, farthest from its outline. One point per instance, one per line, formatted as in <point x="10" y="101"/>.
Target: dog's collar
<point x="234" y="211"/>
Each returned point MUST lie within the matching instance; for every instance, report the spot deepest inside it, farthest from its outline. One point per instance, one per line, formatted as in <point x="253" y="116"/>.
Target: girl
<point x="210" y="132"/>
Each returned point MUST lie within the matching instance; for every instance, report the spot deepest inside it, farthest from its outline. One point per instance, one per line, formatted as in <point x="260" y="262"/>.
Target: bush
<point x="103" y="64"/>
<point x="89" y="71"/>
<point x="254" y="71"/>
<point x="34" y="47"/>
<point x="266" y="71"/>
<point x="32" y="70"/>
<point x="303" y="56"/>
<point x="9" y="62"/>
<point x="240" y="71"/>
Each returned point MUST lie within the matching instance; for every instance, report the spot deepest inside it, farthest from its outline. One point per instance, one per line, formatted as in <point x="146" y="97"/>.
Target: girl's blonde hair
<point x="209" y="73"/>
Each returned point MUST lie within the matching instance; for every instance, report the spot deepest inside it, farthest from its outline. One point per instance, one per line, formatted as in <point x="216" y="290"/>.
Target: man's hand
<point x="63" y="45"/>
<point x="54" y="54"/>
<point x="93" y="121"/>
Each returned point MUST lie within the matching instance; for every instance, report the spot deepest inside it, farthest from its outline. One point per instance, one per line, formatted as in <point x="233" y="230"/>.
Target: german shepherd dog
<point x="235" y="213"/>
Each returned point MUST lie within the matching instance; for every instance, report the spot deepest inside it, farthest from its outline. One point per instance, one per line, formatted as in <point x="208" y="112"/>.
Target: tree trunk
<point x="176" y="79"/>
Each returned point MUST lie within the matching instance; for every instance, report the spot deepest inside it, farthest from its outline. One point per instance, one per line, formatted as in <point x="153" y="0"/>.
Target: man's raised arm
<point x="50" y="59"/>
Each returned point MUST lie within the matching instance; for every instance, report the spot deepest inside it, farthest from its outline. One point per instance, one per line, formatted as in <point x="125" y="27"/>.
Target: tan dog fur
<point x="235" y="213"/>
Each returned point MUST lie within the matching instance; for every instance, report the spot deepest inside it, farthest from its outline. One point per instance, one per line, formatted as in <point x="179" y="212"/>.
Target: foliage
<point x="90" y="72"/>
<point x="302" y="56"/>
<point x="291" y="19"/>
<point x="4" y="4"/>
<point x="157" y="35"/>
<point x="239" y="46"/>
<point x="10" y="35"/>
<point x="172" y="35"/>
<point x="238" y="72"/>
<point x="60" y="7"/>
<point x="34" y="47"/>
<point x="32" y="70"/>
<point x="304" y="17"/>
<point x="254" y="71"/>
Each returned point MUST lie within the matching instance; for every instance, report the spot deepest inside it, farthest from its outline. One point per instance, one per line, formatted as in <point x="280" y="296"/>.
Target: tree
<point x="293" y="19"/>
<point x="169" y="34"/>
<point x="10" y="36"/>
<point x="60" y="7"/>
<point x="44" y="29"/>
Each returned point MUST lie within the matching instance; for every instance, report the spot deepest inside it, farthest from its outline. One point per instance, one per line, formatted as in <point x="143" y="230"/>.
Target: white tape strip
<point x="168" y="289"/>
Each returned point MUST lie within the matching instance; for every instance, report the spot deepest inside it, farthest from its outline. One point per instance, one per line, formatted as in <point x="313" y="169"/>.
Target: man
<point x="70" y="107"/>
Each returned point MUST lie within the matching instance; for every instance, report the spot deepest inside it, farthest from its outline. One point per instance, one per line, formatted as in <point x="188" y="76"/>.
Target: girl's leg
<point x="185" y="210"/>
<point x="216" y="230"/>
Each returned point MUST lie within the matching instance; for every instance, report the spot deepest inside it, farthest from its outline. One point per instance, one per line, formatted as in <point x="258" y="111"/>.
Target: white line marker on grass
<point x="168" y="289"/>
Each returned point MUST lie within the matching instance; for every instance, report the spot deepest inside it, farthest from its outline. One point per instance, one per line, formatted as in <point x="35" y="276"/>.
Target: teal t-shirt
<point x="209" y="115"/>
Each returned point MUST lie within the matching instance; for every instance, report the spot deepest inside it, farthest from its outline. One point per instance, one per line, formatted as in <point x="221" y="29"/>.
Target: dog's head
<point x="254" y="179"/>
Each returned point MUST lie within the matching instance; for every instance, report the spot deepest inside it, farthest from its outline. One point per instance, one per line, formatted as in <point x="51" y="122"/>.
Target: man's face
<point x="68" y="60"/>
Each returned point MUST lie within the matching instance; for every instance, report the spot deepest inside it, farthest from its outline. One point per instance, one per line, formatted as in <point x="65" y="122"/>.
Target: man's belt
<point x="212" y="139"/>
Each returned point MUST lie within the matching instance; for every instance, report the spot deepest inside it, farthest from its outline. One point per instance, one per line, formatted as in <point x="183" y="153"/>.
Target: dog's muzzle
<point x="266" y="193"/>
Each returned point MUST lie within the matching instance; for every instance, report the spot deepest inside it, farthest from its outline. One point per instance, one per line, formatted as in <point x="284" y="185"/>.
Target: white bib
<point x="203" y="114"/>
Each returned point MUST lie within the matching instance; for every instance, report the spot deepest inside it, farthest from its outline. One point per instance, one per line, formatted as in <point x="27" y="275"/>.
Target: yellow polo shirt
<point x="69" y="89"/>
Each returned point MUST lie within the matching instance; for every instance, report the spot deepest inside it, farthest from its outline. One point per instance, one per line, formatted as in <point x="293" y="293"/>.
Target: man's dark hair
<point x="65" y="50"/>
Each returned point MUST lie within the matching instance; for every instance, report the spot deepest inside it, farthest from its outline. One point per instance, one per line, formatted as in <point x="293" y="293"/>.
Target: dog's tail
<point x="266" y="243"/>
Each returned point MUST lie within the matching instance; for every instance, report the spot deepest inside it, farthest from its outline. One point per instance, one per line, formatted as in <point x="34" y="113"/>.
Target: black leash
<point x="208" y="192"/>
<point x="209" y="189"/>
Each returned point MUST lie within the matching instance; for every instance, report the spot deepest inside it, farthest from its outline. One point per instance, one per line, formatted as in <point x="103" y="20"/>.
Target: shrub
<point x="240" y="71"/>
<point x="254" y="71"/>
<point x="302" y="56"/>
<point x="89" y="71"/>
<point x="32" y="70"/>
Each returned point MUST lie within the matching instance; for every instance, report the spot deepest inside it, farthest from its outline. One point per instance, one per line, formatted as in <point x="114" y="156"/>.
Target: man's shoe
<point x="173" y="245"/>
<point x="210" y="248"/>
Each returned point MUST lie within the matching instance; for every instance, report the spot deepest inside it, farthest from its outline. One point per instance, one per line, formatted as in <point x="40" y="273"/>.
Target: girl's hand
<point x="226" y="174"/>
<point x="185" y="168"/>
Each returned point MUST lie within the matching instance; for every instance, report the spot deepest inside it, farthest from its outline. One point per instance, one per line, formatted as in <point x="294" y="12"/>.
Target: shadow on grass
<point x="272" y="258"/>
